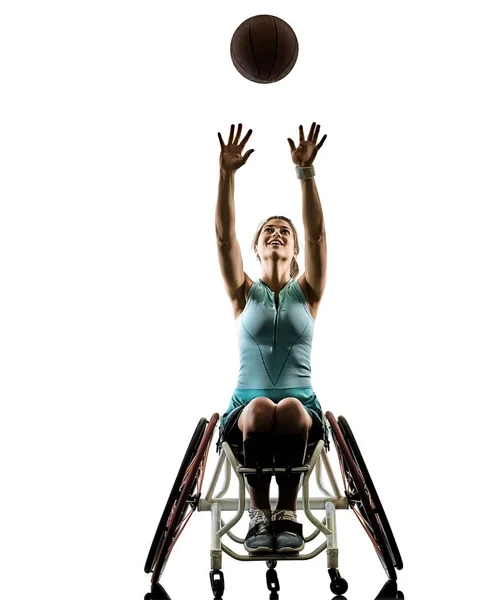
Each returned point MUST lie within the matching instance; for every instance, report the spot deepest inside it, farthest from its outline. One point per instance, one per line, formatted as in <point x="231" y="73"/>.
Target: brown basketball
<point x="264" y="49"/>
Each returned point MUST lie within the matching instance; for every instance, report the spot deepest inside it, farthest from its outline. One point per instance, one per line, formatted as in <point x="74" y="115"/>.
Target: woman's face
<point x="276" y="237"/>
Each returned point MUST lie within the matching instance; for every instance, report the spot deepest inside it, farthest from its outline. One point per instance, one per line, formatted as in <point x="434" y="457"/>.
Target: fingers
<point x="313" y="135"/>
<point x="312" y="130"/>
<point x="234" y="138"/>
<point x="247" y="155"/>
<point x="230" y="137"/>
<point x="237" y="135"/>
<point x="245" y="138"/>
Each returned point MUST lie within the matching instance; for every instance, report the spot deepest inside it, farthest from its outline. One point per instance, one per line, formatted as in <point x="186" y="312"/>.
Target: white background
<point x="117" y="335"/>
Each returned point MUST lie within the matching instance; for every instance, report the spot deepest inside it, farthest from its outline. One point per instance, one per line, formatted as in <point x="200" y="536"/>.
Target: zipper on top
<point x="275" y="322"/>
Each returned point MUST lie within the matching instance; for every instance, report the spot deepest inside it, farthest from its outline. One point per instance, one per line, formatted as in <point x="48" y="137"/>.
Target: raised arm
<point x="229" y="254"/>
<point x="303" y="156"/>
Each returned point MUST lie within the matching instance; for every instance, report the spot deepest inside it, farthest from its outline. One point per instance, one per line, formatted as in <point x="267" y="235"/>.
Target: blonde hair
<point x="294" y="267"/>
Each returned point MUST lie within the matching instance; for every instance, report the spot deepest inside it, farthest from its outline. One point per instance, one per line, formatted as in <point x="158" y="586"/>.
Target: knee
<point x="260" y="415"/>
<point x="291" y="417"/>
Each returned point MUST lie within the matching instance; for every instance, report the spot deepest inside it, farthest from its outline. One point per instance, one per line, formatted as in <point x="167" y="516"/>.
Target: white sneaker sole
<point x="260" y="550"/>
<point x="287" y="550"/>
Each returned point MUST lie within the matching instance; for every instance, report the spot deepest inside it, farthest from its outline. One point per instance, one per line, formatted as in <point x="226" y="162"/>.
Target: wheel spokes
<point x="359" y="496"/>
<point x="187" y="499"/>
<point x="181" y="526"/>
<point x="368" y="529"/>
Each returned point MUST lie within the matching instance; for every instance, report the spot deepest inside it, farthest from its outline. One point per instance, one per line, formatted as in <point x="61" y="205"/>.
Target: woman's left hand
<point x="304" y="154"/>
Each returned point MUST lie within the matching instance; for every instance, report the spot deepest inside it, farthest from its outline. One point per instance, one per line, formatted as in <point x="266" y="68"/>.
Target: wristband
<point x="305" y="172"/>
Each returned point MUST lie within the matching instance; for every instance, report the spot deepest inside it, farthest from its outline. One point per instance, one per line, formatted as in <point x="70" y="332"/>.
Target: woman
<point x="273" y="411"/>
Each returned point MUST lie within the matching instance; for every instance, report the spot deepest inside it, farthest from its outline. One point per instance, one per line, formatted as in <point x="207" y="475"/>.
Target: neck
<point x="275" y="276"/>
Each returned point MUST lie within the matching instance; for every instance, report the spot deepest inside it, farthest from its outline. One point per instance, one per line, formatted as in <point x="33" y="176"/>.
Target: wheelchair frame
<point x="217" y="503"/>
<point x="360" y="496"/>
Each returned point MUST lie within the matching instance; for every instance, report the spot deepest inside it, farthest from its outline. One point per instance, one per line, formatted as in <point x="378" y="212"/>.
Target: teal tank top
<point x="275" y="343"/>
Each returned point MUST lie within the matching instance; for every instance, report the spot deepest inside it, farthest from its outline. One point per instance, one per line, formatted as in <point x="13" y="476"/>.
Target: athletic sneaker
<point x="259" y="539"/>
<point x="288" y="533"/>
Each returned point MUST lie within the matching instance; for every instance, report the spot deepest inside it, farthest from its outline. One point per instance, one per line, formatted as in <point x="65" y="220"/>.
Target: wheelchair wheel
<point x="360" y="499"/>
<point x="355" y="451"/>
<point x="186" y="500"/>
<point x="187" y="459"/>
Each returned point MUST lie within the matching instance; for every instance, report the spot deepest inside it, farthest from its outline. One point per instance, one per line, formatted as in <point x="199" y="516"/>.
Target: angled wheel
<point x="360" y="498"/>
<point x="174" y="494"/>
<point x="382" y="518"/>
<point x="184" y="498"/>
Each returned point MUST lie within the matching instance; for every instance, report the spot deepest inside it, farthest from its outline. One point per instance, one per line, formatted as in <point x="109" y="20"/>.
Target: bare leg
<point x="291" y="418"/>
<point x="258" y="417"/>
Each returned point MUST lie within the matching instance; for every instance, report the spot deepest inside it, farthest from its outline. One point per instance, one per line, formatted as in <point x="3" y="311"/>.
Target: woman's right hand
<point x="231" y="157"/>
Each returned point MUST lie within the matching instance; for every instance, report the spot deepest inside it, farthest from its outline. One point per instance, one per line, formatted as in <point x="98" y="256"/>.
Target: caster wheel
<point x="272" y="580"/>
<point x="339" y="586"/>
<point x="400" y="596"/>
<point x="218" y="589"/>
<point x="274" y="596"/>
<point x="217" y="583"/>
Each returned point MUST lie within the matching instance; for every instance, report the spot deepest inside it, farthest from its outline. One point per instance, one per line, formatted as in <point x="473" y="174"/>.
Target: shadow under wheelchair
<point x="359" y="495"/>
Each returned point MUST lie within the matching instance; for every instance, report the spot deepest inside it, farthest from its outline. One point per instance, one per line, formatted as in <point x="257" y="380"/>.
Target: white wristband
<point x="305" y="172"/>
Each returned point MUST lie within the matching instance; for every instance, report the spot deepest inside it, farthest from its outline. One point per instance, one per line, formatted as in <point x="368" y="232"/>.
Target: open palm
<point x="231" y="157"/>
<point x="305" y="153"/>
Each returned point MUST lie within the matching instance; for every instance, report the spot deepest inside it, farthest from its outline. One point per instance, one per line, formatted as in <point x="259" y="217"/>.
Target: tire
<point x="174" y="494"/>
<point x="355" y="451"/>
<point x="359" y="497"/>
<point x="186" y="501"/>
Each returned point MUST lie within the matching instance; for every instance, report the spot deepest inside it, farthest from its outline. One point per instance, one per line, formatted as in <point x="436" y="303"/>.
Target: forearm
<point x="314" y="226"/>
<point x="225" y="207"/>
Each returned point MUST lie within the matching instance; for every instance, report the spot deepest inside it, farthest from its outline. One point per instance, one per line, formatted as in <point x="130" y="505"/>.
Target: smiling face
<point x="276" y="237"/>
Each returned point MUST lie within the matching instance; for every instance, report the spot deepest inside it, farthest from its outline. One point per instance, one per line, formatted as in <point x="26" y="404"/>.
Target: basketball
<point x="264" y="49"/>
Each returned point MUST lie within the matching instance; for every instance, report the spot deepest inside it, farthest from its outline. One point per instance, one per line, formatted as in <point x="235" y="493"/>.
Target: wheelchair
<point x="359" y="495"/>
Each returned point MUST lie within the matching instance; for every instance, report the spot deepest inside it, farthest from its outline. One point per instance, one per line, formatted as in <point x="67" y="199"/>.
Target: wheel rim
<point x="359" y="497"/>
<point x="382" y="517"/>
<point x="174" y="494"/>
<point x="187" y="501"/>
